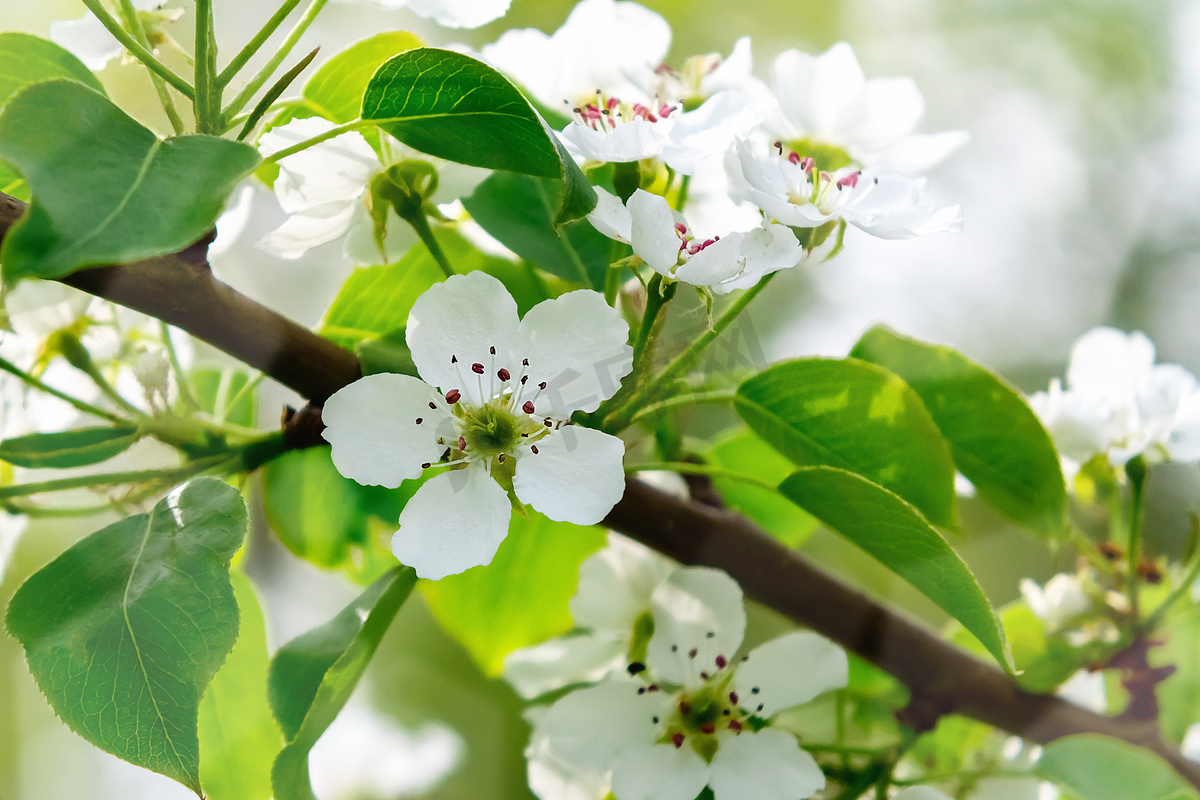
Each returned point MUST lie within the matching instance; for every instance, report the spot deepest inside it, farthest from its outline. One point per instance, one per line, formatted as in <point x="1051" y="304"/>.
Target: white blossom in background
<point x="91" y="42"/>
<point x="611" y="606"/>
<point x="791" y="189"/>
<point x="825" y="104"/>
<point x="1191" y="742"/>
<point x="1061" y="603"/>
<point x="662" y="237"/>
<point x="11" y="528"/>
<point x="683" y="720"/>
<point x="489" y="418"/>
<point x="324" y="190"/>
<point x="1117" y="402"/>
<point x="1018" y="756"/>
<point x="447" y="13"/>
<point x="1086" y="690"/>
<point x="364" y="754"/>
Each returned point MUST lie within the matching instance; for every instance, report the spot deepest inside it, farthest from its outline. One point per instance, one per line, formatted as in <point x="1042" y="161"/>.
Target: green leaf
<point x="857" y="417"/>
<point x="336" y="89"/>
<point x="521" y="597"/>
<point x="994" y="436"/>
<point x="75" y="448"/>
<point x="895" y="533"/>
<point x="746" y="453"/>
<point x="1043" y="663"/>
<point x="97" y="177"/>
<point x="314" y="675"/>
<point x="238" y="735"/>
<point x="456" y="107"/>
<point x="1096" y="767"/>
<point x="124" y="630"/>
<point x="519" y="210"/>
<point x="216" y="389"/>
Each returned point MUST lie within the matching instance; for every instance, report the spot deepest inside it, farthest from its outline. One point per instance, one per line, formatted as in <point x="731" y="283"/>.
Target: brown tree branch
<point x="943" y="679"/>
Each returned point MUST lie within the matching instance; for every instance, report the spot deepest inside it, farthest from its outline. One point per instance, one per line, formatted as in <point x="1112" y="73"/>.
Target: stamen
<point x="710" y="634"/>
<point x="703" y="676"/>
<point x="462" y="443"/>
<point x="721" y="662"/>
<point x="754" y="690"/>
<point x="477" y="368"/>
<point x="708" y="727"/>
<point x="685" y="707"/>
<point x="433" y="405"/>
<point x="453" y="359"/>
<point x="418" y="420"/>
<point x="527" y="407"/>
<point x="452" y="396"/>
<point x="503" y="374"/>
<point x="677" y="740"/>
<point x="654" y="720"/>
<point x="636" y="667"/>
<point x="533" y="447"/>
<point x="734" y="725"/>
<point x="652" y="687"/>
<point x="692" y="653"/>
<point x="733" y="697"/>
<point x="426" y="465"/>
<point x="500" y="458"/>
<point x="492" y="350"/>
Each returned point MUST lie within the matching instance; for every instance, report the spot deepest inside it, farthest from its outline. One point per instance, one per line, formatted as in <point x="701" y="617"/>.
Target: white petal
<point x="88" y="39"/>
<point x="576" y="345"/>
<point x="554" y="778"/>
<point x="1191" y="742"/>
<point x="698" y="615"/>
<point x="454" y="522"/>
<point x="887" y="110"/>
<point x="463" y="318"/>
<point x="1087" y="690"/>
<point x="460" y="13"/>
<point x="653" y="231"/>
<point x="1109" y="364"/>
<point x="788" y="671"/>
<point x="312" y="227"/>
<point x="591" y="727"/>
<point x="610" y="216"/>
<point x="659" y="772"/>
<point x="920" y="793"/>
<point x="564" y="660"/>
<point x="361" y="246"/>
<point x="919" y="152"/>
<point x="718" y="262"/>
<point x="629" y="141"/>
<point x="615" y="585"/>
<point x="767" y="765"/>
<point x="576" y="476"/>
<point x="336" y="170"/>
<point x="373" y="429"/>
<point x="733" y="72"/>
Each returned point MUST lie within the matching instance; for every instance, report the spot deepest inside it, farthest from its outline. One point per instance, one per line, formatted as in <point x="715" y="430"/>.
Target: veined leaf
<point x="124" y="630"/>
<point x="106" y="189"/>
<point x="336" y="89"/>
<point x="1094" y="767"/>
<point x="74" y="448"/>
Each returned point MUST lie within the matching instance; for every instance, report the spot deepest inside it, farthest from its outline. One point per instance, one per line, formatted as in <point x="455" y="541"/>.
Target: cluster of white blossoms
<point x="488" y="418"/>
<point x="676" y="708"/>
<point x="1118" y="403"/>
<point x="1075" y="607"/>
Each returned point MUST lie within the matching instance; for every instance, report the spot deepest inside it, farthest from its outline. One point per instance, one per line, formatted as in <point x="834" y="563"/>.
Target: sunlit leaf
<point x="74" y="448"/>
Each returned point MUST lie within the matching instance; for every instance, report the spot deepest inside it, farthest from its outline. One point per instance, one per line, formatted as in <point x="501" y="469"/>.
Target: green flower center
<point x="491" y="430"/>
<point x="827" y="157"/>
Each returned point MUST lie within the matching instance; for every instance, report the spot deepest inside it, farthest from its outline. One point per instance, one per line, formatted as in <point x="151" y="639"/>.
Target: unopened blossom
<point x="791" y="188"/>
<point x="827" y="109"/>
<point x="488" y="417"/>
<point x="612" y="609"/>
<point x="692" y="715"/>
<point x="91" y="42"/>
<point x="1117" y="402"/>
<point x="663" y="238"/>
<point x="325" y="191"/>
<point x="447" y="13"/>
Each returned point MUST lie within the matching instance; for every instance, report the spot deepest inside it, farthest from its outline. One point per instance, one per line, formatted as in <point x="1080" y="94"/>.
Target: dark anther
<point x="433" y="405"/>
<point x="709" y="635"/>
<point x="721" y="662"/>
<point x="754" y="690"/>
<point x="503" y="374"/>
<point x="425" y="465"/>
<point x="733" y="698"/>
<point x="525" y="362"/>
<point x="708" y="727"/>
<point x="677" y="740"/>
<point x="533" y="447"/>
<point x="527" y="407"/>
<point x="453" y="359"/>
<point x="500" y="458"/>
<point x="760" y="707"/>
<point x="636" y="667"/>
<point x="418" y="420"/>
<point x="477" y="368"/>
<point x="453" y="396"/>
<point x="542" y="385"/>
<point x="493" y="349"/>
<point x="674" y="648"/>
<point x="692" y="653"/>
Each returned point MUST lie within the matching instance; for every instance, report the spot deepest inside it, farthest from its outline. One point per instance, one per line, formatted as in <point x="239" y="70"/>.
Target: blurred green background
<point x="1081" y="189"/>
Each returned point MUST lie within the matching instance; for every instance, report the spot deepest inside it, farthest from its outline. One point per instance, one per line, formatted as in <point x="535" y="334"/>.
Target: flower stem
<point x="135" y="41"/>
<point x="112" y="478"/>
<point x="253" y="46"/>
<point x="620" y="418"/>
<point x="1135" y="470"/>
<point x="421" y="225"/>
<point x="186" y="395"/>
<point x="300" y="147"/>
<point x="260" y="77"/>
<point x="695" y="398"/>
<point x="687" y="468"/>
<point x="87" y="408"/>
<point x="208" y="90"/>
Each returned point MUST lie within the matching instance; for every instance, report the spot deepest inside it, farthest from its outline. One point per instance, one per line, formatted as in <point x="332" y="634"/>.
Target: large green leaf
<point x="1095" y="767"/>
<point x="894" y="532"/>
<point x="519" y="211"/>
<point x="105" y="188"/>
<point x="74" y="448"/>
<point x="26" y="59"/>
<point x="336" y="89"/>
<point x="521" y="597"/>
<point x="124" y="630"/>
<point x="314" y="675"/>
<point x="238" y="735"/>
<point x="995" y="438"/>
<point x="1043" y="662"/>
<point x="858" y="417"/>
<point x="456" y="107"/>
<point x="746" y="453"/>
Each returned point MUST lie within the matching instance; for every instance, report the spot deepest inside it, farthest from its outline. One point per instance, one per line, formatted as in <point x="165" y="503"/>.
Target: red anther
<point x="794" y="157"/>
<point x="652" y="687"/>
<point x="677" y="740"/>
<point x="663" y="69"/>
<point x="721" y="662"/>
<point x="734" y="725"/>
<point x="462" y="443"/>
<point x="681" y="229"/>
<point x="850" y="180"/>
<point x="703" y="676"/>
<point x="708" y="727"/>
<point x="503" y="374"/>
<point x="733" y="698"/>
<point x="453" y="396"/>
<point x="692" y="653"/>
<point x="685" y="707"/>
<point x="477" y="368"/>
<point x="807" y="164"/>
<point x="665" y="110"/>
<point x="612" y="103"/>
<point x="527" y="407"/>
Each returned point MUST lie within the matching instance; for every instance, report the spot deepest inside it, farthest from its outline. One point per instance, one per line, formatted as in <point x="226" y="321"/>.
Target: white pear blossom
<point x="789" y="188"/>
<point x="324" y="189"/>
<point x="1191" y="742"/>
<point x="693" y="716"/>
<point x="91" y="42"/>
<point x="1059" y="604"/>
<point x="447" y="13"/>
<point x="611" y="606"/>
<point x="1118" y="402"/>
<point x="826" y="107"/>
<point x="489" y="418"/>
<point x="665" y="241"/>
<point x="1086" y="690"/>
